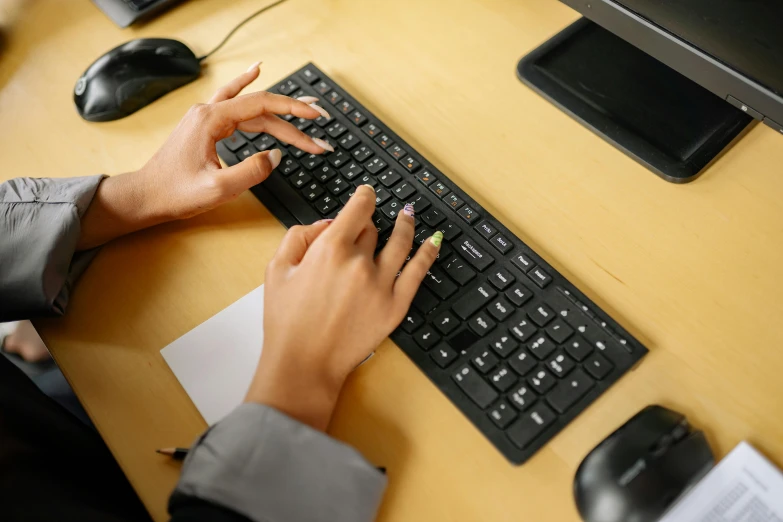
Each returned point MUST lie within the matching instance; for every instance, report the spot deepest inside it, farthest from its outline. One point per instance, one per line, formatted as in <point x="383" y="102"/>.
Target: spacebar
<point x="290" y="198"/>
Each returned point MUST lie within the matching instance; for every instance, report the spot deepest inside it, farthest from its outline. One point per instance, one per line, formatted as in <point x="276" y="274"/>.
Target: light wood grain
<point x="694" y="271"/>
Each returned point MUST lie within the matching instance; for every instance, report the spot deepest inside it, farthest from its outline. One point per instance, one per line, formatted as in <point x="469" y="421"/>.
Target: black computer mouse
<point x="132" y="76"/>
<point x="637" y="472"/>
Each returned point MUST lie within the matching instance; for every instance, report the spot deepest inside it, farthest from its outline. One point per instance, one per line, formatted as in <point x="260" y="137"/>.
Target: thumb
<point x="251" y="171"/>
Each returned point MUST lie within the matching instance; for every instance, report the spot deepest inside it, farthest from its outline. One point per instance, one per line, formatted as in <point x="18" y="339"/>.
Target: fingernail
<point x="369" y="187"/>
<point x="408" y="210"/>
<point x="308" y="99"/>
<point x="274" y="157"/>
<point x="323" y="144"/>
<point x="321" y="111"/>
<point x="254" y="66"/>
<point x="324" y="221"/>
<point x="437" y="238"/>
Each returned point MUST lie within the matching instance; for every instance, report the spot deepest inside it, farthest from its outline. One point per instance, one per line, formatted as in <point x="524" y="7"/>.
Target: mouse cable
<point x="235" y="29"/>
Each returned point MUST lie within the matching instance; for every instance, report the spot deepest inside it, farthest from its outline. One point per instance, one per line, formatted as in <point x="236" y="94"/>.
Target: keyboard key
<point x="302" y="124"/>
<point x="519" y="294"/>
<point x="309" y="75"/>
<point x="541" y="346"/>
<point x="345" y="197"/>
<point x="426" y="177"/>
<point x="539" y="277"/>
<point x="503" y="344"/>
<point x="324" y="173"/>
<point x="315" y="132"/>
<point x="501" y="243"/>
<point x="297" y="153"/>
<point x="450" y="230"/>
<point x="412" y="321"/>
<point x="522" y="362"/>
<point x="338" y="159"/>
<point x="381" y="196"/>
<point x="522" y="329"/>
<point x="481" y="324"/>
<point x="349" y="141"/>
<point x="322" y="88"/>
<point x="421" y="235"/>
<point x="337" y="186"/>
<point x="250" y="135"/>
<point x="473" y="300"/>
<point x="344" y="107"/>
<point x="560" y="364"/>
<point x="396" y="151"/>
<point x="287" y="87"/>
<point x="288" y="166"/>
<point x="425" y="301"/>
<point x="375" y="165"/>
<point x="541" y="381"/>
<point x="300" y="179"/>
<point x="433" y="217"/>
<point x="410" y="164"/>
<point x="453" y="201"/>
<point x="446" y="323"/>
<point x="578" y="348"/>
<point x="336" y="129"/>
<point x="486" y="229"/>
<point x="298" y="94"/>
<point x="391" y="209"/>
<point x="476" y="256"/>
<point x="443" y="355"/>
<point x="362" y="153"/>
<point x="372" y="130"/>
<point x="381" y="224"/>
<point x="286" y="117"/>
<point x="426" y="337"/>
<point x="468" y="214"/>
<point x="365" y="179"/>
<point x="444" y="253"/>
<point x="598" y="366"/>
<point x="404" y="191"/>
<point x="312" y="191"/>
<point x="384" y="140"/>
<point x="351" y="170"/>
<point x="459" y="270"/>
<point x="334" y="97"/>
<point x="389" y="178"/>
<point x="357" y="118"/>
<point x="326" y="204"/>
<point x="321" y="121"/>
<point x="569" y="390"/>
<point x="502" y="378"/>
<point x="501" y="278"/>
<point x="439" y="189"/>
<point x="311" y="161"/>
<point x="245" y="152"/>
<point x="522" y="397"/>
<point x="502" y="414"/>
<point x="522" y="261"/>
<point x="500" y="309"/>
<point x="559" y="331"/>
<point x="474" y="386"/>
<point x="484" y="360"/>
<point x="235" y="142"/>
<point x="541" y="314"/>
<point x="437" y="281"/>
<point x="530" y="425"/>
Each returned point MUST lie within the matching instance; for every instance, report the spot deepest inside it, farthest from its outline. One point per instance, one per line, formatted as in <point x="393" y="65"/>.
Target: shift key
<point x="475" y="387"/>
<point x="472" y="300"/>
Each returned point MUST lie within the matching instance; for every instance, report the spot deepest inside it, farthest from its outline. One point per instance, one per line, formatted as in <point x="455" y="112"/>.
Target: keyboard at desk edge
<point x="520" y="351"/>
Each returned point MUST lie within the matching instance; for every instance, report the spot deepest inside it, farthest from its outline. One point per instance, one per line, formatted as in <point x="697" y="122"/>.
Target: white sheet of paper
<point x="743" y="487"/>
<point x="216" y="360"/>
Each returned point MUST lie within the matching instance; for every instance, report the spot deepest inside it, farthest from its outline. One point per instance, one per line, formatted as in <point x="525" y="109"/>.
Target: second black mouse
<point x="132" y="76"/>
<point x="637" y="472"/>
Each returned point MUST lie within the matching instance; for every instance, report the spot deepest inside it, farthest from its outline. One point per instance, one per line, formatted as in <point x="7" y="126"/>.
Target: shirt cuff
<point x="271" y="468"/>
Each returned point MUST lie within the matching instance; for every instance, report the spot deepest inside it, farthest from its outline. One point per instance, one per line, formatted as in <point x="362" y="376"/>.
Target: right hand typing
<point x="328" y="303"/>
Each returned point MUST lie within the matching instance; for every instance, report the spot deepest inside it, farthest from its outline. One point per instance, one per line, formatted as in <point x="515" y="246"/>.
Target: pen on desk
<point x="174" y="453"/>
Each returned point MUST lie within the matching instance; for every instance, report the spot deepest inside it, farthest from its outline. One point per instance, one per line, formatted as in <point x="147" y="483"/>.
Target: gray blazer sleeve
<point x="268" y="467"/>
<point x="40" y="224"/>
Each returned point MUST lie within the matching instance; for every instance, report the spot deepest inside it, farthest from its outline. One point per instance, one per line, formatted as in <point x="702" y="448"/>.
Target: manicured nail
<point x="437" y="238"/>
<point x="308" y="99"/>
<point x="323" y="144"/>
<point x="408" y="210"/>
<point x="254" y="66"/>
<point x="274" y="157"/>
<point x="321" y="111"/>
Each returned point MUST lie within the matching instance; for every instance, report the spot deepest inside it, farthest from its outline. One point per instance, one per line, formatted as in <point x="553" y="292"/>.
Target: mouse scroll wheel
<point x="165" y="51"/>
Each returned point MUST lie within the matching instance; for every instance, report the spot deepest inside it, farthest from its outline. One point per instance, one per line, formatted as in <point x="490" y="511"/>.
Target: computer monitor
<point x="661" y="78"/>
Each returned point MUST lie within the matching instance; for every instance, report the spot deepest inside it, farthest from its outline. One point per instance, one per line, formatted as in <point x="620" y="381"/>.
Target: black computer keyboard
<point x="515" y="346"/>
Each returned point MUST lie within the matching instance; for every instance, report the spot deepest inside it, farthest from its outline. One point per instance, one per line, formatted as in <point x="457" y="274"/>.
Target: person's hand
<point x="328" y="304"/>
<point x="184" y="178"/>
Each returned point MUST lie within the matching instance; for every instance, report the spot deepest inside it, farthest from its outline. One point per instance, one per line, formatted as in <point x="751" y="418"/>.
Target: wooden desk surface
<point x="694" y="271"/>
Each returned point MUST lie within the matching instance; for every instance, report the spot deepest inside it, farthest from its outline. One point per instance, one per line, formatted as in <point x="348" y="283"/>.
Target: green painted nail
<point x="437" y="238"/>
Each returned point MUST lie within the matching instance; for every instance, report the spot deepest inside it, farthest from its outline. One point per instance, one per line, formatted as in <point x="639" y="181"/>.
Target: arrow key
<point x="443" y="355"/>
<point x="502" y="378"/>
<point x="411" y="321"/>
<point x="426" y="337"/>
<point x="446" y="323"/>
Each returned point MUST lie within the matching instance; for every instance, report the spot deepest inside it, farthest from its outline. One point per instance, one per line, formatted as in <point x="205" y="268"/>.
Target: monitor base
<point x="657" y="116"/>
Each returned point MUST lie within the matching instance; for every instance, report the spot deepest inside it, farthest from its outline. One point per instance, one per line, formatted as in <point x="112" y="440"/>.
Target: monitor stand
<point x="663" y="120"/>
